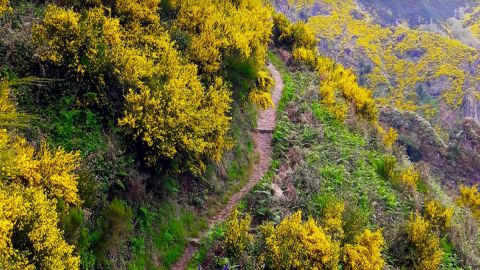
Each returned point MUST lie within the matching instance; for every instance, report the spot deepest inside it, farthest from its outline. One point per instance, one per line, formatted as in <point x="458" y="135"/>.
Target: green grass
<point x="289" y="87"/>
<point x="165" y="238"/>
<point x="215" y="234"/>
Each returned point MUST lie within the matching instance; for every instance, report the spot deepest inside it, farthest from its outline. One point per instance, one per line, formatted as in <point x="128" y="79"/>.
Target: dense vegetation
<point x="125" y="125"/>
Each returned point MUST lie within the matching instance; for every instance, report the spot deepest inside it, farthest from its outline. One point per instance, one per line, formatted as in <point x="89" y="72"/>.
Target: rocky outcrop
<point x="417" y="134"/>
<point x="471" y="106"/>
<point x="464" y="151"/>
<point x="459" y="160"/>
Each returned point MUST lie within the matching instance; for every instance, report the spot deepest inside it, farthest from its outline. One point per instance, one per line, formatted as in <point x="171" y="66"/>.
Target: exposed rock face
<point x="464" y="151"/>
<point x="471" y="106"/>
<point x="416" y="134"/>
<point x="457" y="161"/>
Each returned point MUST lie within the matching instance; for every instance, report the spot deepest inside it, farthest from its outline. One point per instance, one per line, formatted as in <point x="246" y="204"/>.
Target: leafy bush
<point x="237" y="237"/>
<point x="31" y="238"/>
<point x="409" y="178"/>
<point x="470" y="198"/>
<point x="365" y="254"/>
<point x="295" y="244"/>
<point x="426" y="253"/>
<point x="340" y="82"/>
<point x="440" y="217"/>
<point x="116" y="230"/>
<point x="386" y="167"/>
<point x="70" y="222"/>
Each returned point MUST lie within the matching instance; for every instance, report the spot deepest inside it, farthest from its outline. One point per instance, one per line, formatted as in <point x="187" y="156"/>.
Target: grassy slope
<point x="329" y="161"/>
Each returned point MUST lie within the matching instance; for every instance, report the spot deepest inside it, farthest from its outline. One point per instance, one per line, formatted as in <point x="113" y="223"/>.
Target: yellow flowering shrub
<point x="57" y="169"/>
<point x="9" y="116"/>
<point x="339" y="82"/>
<point x="365" y="254"/>
<point x="237" y="237"/>
<point x="332" y="219"/>
<point x="281" y="27"/>
<point x="293" y="35"/>
<point x="242" y="27"/>
<point x="181" y="121"/>
<point x="6" y="104"/>
<point x="264" y="81"/>
<point x="53" y="171"/>
<point x="470" y="198"/>
<point x="260" y="98"/>
<point x="81" y="44"/>
<point x="427" y="252"/>
<point x="167" y="108"/>
<point x="389" y="137"/>
<point x="409" y="178"/>
<point x="304" y="55"/>
<point x="260" y="94"/>
<point x="31" y="182"/>
<point x="29" y="234"/>
<point x="297" y="244"/>
<point x="3" y="6"/>
<point x="59" y="34"/>
<point x="440" y="217"/>
<point x="138" y="10"/>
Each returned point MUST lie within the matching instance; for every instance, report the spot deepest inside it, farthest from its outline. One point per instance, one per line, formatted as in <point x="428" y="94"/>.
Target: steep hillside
<point x="239" y="134"/>
<point x="414" y="12"/>
<point x="348" y="183"/>
<point x="428" y="73"/>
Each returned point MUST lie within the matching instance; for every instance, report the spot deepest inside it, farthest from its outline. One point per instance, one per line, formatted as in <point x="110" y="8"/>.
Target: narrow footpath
<point x="262" y="139"/>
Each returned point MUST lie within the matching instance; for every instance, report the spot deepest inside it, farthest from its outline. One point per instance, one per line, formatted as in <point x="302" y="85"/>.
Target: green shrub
<point x="386" y="167"/>
<point x="71" y="223"/>
<point x="117" y="229"/>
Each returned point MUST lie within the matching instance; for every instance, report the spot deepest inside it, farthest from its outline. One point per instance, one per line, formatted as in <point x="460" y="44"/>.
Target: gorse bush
<point x="297" y="244"/>
<point x="30" y="237"/>
<point x="3" y="6"/>
<point x="52" y="171"/>
<point x="32" y="181"/>
<point x="260" y="94"/>
<point x="9" y="116"/>
<point x="339" y="82"/>
<point x="439" y="216"/>
<point x="240" y="28"/>
<point x="332" y="219"/>
<point x="426" y="253"/>
<point x="83" y="45"/>
<point x="237" y="236"/>
<point x="389" y="137"/>
<point x="292" y="35"/>
<point x="365" y="254"/>
<point x="470" y="198"/>
<point x="178" y="112"/>
<point x="409" y="178"/>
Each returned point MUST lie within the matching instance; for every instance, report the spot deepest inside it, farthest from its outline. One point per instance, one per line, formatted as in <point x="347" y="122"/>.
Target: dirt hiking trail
<point x="262" y="139"/>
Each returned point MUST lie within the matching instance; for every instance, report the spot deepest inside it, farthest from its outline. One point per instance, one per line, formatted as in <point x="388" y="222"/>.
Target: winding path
<point x="262" y="139"/>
